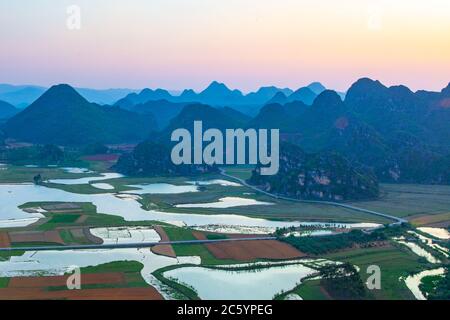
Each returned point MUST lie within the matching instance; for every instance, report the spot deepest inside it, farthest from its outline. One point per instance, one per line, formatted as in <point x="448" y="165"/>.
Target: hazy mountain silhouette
<point x="103" y="96"/>
<point x="265" y="94"/>
<point x="20" y="96"/>
<point x="278" y="98"/>
<point x="316" y="87"/>
<point x="216" y="95"/>
<point x="305" y="95"/>
<point x="142" y="97"/>
<point x="23" y="95"/>
<point x="400" y="135"/>
<point x="188" y="95"/>
<point x="7" y="110"/>
<point x="279" y="116"/>
<point x="62" y="116"/>
<point x="221" y="119"/>
<point x="163" y="111"/>
<point x="392" y="131"/>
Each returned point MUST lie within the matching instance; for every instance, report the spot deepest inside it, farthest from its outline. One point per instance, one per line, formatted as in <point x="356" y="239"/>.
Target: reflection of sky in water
<point x="86" y="180"/>
<point x="160" y="188"/>
<point x="260" y="284"/>
<point x="131" y="210"/>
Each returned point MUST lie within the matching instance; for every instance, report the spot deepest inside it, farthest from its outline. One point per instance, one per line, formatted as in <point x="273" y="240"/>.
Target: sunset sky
<point x="178" y="44"/>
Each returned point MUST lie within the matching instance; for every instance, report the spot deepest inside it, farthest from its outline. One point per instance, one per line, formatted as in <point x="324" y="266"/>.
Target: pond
<point x="160" y="188"/>
<point x="439" y="233"/>
<point x="418" y="250"/>
<point x="413" y="282"/>
<point x="103" y="186"/>
<point x="221" y="182"/>
<point x="258" y="284"/>
<point x="87" y="180"/>
<point x="14" y="195"/>
<point x="227" y="202"/>
<point x="77" y="170"/>
<point x="50" y="263"/>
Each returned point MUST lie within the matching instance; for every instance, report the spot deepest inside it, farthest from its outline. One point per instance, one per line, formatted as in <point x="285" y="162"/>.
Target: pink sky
<point x="179" y="44"/>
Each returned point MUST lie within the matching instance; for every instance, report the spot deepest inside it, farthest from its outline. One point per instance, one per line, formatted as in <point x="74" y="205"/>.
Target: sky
<point x="177" y="44"/>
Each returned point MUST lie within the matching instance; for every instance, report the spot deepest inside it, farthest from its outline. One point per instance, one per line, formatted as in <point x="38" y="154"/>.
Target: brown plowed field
<point x="36" y="236"/>
<point x="58" y="281"/>
<point x="32" y="288"/>
<point x="77" y="233"/>
<point x="437" y="220"/>
<point x="89" y="294"/>
<point x="163" y="250"/>
<point x="251" y="250"/>
<point x="4" y="240"/>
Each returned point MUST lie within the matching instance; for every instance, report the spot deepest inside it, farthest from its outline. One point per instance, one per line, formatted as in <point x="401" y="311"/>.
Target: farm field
<point x="69" y="223"/>
<point x="22" y="174"/>
<point x="178" y="234"/>
<point x="412" y="201"/>
<point x="308" y="290"/>
<point x="114" y="281"/>
<point x="251" y="250"/>
<point x="395" y="262"/>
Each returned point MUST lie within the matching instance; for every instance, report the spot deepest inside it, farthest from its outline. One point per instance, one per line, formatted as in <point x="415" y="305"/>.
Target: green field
<point x="4" y="282"/>
<point x="308" y="290"/>
<point x="242" y="172"/>
<point x="280" y="210"/>
<point x="119" y="184"/>
<point x="182" y="250"/>
<point x="19" y="174"/>
<point x="130" y="269"/>
<point x="405" y="200"/>
<point x="5" y="255"/>
<point x="94" y="219"/>
<point x="64" y="218"/>
<point x="399" y="200"/>
<point x="178" y="291"/>
<point x="394" y="262"/>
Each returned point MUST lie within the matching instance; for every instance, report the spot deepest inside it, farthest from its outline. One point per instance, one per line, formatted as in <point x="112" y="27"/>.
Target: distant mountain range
<point x="216" y="94"/>
<point x="23" y="95"/>
<point x="20" y="96"/>
<point x="399" y="135"/>
<point x="62" y="116"/>
<point x="219" y="95"/>
<point x="7" y="110"/>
